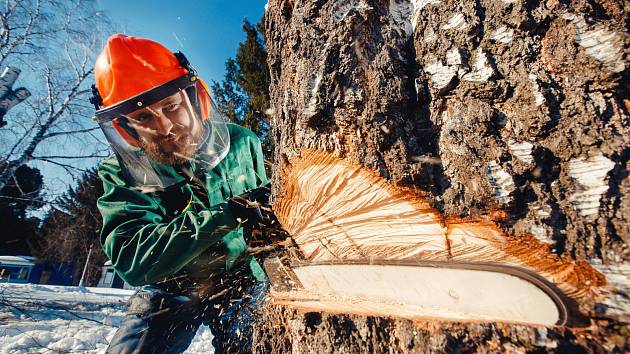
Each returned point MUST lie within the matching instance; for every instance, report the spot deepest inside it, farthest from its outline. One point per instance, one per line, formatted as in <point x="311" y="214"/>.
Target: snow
<point x="616" y="274"/>
<point x="543" y="340"/>
<point x="55" y="335"/>
<point x="38" y="292"/>
<point x="67" y="319"/>
<point x="202" y="342"/>
<point x="15" y="260"/>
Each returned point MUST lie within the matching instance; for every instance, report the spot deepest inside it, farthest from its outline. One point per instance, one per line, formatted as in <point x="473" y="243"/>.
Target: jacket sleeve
<point x="143" y="248"/>
<point x="258" y="160"/>
<point x="249" y="150"/>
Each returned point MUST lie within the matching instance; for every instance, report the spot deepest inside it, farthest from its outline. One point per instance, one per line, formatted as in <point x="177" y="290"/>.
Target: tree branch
<point x="26" y="133"/>
<point x="68" y="157"/>
<point x="50" y="135"/>
<point x="66" y="167"/>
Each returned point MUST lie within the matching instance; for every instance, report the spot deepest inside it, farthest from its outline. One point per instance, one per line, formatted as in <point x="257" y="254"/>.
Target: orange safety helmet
<point x="129" y="67"/>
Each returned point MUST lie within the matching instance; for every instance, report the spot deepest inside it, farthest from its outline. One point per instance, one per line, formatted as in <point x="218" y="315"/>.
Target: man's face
<point x="169" y="130"/>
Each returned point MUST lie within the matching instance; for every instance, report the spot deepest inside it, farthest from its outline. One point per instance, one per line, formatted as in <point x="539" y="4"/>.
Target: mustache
<point x="185" y="148"/>
<point x="172" y="139"/>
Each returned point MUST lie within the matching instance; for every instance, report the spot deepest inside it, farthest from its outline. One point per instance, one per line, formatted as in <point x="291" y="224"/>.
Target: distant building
<point x="27" y="269"/>
<point x="110" y="279"/>
<point x="15" y="269"/>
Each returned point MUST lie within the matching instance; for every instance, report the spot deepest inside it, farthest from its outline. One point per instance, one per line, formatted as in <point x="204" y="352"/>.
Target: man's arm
<point x="143" y="248"/>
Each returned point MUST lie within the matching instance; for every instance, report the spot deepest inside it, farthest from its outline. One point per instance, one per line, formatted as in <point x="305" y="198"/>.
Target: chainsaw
<point x="447" y="290"/>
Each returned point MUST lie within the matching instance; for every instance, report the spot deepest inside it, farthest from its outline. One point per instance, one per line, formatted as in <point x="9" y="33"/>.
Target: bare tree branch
<point x="31" y="33"/>
<point x="9" y="46"/>
<point x="19" y="141"/>
<point x="53" y="117"/>
<point x="50" y="135"/>
<point x="68" y="168"/>
<point x="62" y="157"/>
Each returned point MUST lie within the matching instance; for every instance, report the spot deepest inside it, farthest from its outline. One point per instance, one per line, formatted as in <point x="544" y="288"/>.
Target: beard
<point x="171" y="152"/>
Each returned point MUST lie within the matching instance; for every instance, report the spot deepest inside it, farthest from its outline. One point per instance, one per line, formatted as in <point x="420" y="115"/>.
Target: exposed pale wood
<point x="337" y="210"/>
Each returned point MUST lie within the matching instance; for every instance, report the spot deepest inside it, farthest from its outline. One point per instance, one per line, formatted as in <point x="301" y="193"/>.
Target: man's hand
<point x="252" y="209"/>
<point x="262" y="229"/>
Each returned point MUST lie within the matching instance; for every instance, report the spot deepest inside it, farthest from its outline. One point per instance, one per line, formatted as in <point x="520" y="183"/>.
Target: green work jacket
<point x="188" y="228"/>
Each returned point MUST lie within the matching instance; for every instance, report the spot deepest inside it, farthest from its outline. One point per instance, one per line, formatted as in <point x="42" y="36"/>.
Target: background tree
<point x="72" y="226"/>
<point x="53" y="43"/>
<point x="21" y="194"/>
<point x="243" y="95"/>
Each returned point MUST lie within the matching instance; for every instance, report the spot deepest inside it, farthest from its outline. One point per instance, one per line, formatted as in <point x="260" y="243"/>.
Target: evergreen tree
<point x="73" y="226"/>
<point x="20" y="195"/>
<point x="243" y="95"/>
<point x="229" y="96"/>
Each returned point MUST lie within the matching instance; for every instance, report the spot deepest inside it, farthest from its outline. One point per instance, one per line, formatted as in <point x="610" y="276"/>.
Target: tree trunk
<point x="520" y="106"/>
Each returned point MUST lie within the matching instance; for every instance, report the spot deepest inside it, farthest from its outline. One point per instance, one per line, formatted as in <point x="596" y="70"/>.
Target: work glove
<point x="252" y="209"/>
<point x="262" y="231"/>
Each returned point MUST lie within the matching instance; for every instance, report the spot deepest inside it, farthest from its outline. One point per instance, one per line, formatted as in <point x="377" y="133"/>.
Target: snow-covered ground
<point x="63" y="319"/>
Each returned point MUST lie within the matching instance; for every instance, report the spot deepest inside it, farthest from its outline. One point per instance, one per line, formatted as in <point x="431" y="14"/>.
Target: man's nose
<point x="163" y="125"/>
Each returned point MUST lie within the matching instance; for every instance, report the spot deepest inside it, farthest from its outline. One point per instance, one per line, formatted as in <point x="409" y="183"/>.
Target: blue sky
<point x="207" y="31"/>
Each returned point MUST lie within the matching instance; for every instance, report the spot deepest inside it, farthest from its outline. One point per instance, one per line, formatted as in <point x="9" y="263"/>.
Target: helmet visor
<point x="156" y="133"/>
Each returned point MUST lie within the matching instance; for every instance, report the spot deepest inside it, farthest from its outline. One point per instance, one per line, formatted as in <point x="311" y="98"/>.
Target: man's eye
<point x="143" y="117"/>
<point x="171" y="107"/>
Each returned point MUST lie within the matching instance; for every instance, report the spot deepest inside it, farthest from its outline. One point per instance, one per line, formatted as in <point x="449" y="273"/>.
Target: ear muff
<point x="200" y="99"/>
<point x="205" y="106"/>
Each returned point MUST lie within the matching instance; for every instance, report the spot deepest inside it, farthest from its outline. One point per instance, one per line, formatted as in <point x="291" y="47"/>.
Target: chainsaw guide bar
<point x="448" y="290"/>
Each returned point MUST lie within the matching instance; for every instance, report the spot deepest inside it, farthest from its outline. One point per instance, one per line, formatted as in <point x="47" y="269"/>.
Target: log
<point x="504" y="122"/>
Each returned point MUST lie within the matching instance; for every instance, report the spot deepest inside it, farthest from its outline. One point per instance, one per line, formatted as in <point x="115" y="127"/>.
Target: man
<point x="179" y="191"/>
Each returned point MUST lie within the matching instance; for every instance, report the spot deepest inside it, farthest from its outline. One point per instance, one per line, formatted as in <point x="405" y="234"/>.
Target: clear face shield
<point x="162" y="130"/>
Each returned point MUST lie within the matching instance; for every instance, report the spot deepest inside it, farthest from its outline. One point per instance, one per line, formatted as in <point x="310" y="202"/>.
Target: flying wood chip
<point x="341" y="214"/>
